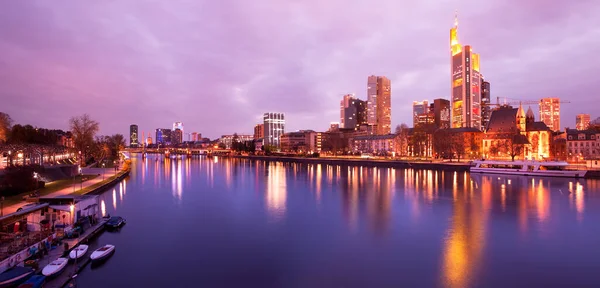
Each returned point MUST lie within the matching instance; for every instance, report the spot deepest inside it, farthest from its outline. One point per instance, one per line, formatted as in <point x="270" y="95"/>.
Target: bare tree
<point x="84" y="129"/>
<point x="401" y="139"/>
<point x="442" y="143"/>
<point x="5" y="124"/>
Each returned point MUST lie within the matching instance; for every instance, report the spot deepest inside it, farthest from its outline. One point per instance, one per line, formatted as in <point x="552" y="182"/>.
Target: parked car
<point x="26" y="206"/>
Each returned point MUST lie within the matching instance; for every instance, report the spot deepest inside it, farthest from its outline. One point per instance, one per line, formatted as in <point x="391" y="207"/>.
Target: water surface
<point x="218" y="222"/>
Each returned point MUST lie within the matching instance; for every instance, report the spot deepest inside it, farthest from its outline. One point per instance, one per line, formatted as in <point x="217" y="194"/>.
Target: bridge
<point x="176" y="151"/>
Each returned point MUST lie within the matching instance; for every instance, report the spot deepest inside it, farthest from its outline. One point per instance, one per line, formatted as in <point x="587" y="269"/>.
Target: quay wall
<point x="447" y="166"/>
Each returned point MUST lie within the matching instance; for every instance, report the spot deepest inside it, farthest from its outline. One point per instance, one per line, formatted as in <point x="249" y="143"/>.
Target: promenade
<point x="104" y="173"/>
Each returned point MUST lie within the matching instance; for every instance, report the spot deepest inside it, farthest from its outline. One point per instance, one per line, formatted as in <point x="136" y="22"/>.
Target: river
<point x="220" y="222"/>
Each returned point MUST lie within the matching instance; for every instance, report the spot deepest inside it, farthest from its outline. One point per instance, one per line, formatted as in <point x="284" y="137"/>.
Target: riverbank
<point x="446" y="166"/>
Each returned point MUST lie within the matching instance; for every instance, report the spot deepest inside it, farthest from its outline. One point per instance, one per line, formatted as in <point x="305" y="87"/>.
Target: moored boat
<point x="15" y="276"/>
<point x="527" y="168"/>
<point x="55" y="267"/>
<point x="36" y="281"/>
<point x="78" y="251"/>
<point x="102" y="253"/>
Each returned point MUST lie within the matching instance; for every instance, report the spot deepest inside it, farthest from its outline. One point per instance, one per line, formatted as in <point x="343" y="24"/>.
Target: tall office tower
<point x="194" y="137"/>
<point x="441" y="112"/>
<point x="379" y="104"/>
<point x="158" y="136"/>
<point x="486" y="109"/>
<point x="259" y="131"/>
<point x="420" y="110"/>
<point x="177" y="138"/>
<point x="465" y="83"/>
<point x="274" y="127"/>
<point x="550" y="113"/>
<point x="353" y="112"/>
<point x="133" y="136"/>
<point x="582" y="122"/>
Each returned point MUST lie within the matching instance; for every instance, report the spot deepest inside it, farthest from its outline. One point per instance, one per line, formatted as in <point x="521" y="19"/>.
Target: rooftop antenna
<point x="456" y="18"/>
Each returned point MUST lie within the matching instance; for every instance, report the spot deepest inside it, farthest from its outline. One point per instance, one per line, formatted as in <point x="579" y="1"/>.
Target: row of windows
<point x="587" y="144"/>
<point x="581" y="137"/>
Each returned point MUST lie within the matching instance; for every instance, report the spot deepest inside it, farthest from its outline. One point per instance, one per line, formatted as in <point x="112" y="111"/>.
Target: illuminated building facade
<point x="163" y="136"/>
<point x="582" y="122"/>
<point x="133" y="136"/>
<point x="465" y="83"/>
<point x="421" y="113"/>
<point x="379" y="104"/>
<point x="486" y="108"/>
<point x="353" y="112"/>
<point x="550" y="113"/>
<point x="441" y="113"/>
<point x="274" y="127"/>
<point x="259" y="131"/>
<point x="177" y="137"/>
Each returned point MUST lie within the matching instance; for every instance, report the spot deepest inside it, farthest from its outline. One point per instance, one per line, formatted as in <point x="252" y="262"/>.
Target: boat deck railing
<point x="12" y="243"/>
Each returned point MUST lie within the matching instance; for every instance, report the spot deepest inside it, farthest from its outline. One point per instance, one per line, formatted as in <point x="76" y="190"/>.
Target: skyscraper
<point x="441" y="112"/>
<point x="274" y="127"/>
<point x="465" y="83"/>
<point x="133" y="136"/>
<point x="177" y="138"/>
<point x="582" y="121"/>
<point x="420" y="109"/>
<point x="486" y="109"/>
<point x="379" y="104"/>
<point x="353" y="112"/>
<point x="550" y="113"/>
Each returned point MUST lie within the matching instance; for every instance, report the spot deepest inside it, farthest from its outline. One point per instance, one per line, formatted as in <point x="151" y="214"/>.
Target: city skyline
<point x="117" y="64"/>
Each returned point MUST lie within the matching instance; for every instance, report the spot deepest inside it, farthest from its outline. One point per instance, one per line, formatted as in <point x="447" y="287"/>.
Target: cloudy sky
<point x="218" y="65"/>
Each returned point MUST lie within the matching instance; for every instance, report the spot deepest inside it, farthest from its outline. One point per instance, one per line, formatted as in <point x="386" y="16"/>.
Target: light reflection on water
<point x="383" y="202"/>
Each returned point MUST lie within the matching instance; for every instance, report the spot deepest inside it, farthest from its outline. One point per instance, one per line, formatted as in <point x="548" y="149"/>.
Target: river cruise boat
<point x="526" y="168"/>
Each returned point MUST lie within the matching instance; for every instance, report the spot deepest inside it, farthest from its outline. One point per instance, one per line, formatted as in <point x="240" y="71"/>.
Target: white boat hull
<point x="55" y="267"/>
<point x="78" y="251"/>
<point x="544" y="173"/>
<point x="102" y="253"/>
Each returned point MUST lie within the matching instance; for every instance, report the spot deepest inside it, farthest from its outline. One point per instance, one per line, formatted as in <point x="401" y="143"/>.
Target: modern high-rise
<point x="441" y="113"/>
<point x="133" y="136"/>
<point x="486" y="108"/>
<point x="550" y="113"/>
<point x="259" y="131"/>
<point x="379" y="104"/>
<point x="465" y="83"/>
<point x="353" y="112"/>
<point x="194" y="137"/>
<point x="274" y="127"/>
<point x="582" y="122"/>
<point x="420" y="110"/>
<point x="163" y="136"/>
<point x="177" y="138"/>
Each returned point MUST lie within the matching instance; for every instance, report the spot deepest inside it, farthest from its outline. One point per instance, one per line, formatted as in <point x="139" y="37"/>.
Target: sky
<point x="217" y="66"/>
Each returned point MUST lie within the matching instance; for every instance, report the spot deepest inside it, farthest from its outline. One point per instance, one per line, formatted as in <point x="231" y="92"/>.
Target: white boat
<point x="55" y="267"/>
<point x="102" y="253"/>
<point x="78" y="252"/>
<point x="526" y="168"/>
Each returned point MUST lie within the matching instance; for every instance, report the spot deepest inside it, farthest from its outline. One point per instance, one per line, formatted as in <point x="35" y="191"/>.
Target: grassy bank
<point x="50" y="188"/>
<point x="91" y="188"/>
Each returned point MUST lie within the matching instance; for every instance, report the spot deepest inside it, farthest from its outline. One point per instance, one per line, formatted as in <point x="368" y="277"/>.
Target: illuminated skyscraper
<point x="379" y="104"/>
<point x="177" y="137"/>
<point x="133" y="136"/>
<point x="353" y="112"/>
<point x="465" y="83"/>
<point x="274" y="127"/>
<point x="420" y="110"/>
<point x="259" y="131"/>
<point x="550" y="113"/>
<point x="582" y="122"/>
<point x="486" y="109"/>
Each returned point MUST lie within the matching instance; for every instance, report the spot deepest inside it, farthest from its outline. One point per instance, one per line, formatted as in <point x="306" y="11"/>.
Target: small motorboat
<point x="15" y="276"/>
<point x="115" y="222"/>
<point x="78" y="251"/>
<point x="102" y="253"/>
<point x="36" y="281"/>
<point x="55" y="267"/>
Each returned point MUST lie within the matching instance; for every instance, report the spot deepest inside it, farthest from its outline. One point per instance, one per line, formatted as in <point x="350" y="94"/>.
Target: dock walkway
<point x="73" y="267"/>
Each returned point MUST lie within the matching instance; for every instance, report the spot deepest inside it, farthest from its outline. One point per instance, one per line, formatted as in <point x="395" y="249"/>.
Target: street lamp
<point x="80" y="178"/>
<point x="103" y="165"/>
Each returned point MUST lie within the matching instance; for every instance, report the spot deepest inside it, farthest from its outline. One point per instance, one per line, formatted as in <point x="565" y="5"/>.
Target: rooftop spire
<point x="456" y="18"/>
